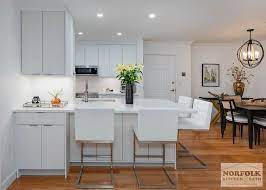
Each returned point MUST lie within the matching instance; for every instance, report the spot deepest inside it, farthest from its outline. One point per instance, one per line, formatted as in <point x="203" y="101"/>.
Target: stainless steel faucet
<point x="86" y="93"/>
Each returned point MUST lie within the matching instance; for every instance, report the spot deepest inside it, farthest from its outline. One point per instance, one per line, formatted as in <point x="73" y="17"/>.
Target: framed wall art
<point x="210" y="75"/>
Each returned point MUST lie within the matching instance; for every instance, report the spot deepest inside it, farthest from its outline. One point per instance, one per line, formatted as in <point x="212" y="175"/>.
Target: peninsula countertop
<point x="118" y="105"/>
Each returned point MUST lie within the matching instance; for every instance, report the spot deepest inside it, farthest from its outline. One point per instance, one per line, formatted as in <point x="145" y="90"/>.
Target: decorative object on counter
<point x="251" y="53"/>
<point x="36" y="100"/>
<point x="44" y="104"/>
<point x="129" y="75"/>
<point x="210" y="75"/>
<point x="55" y="94"/>
<point x="239" y="74"/>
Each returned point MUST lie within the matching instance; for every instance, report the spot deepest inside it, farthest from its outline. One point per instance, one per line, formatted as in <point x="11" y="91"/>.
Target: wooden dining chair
<point x="230" y="114"/>
<point x="259" y="124"/>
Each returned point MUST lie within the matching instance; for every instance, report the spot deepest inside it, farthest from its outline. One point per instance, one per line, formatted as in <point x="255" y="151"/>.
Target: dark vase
<point x="129" y="93"/>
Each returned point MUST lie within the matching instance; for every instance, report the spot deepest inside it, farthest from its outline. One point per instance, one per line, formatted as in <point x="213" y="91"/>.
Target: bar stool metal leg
<point x="95" y="186"/>
<point x="186" y="153"/>
<point x="139" y="181"/>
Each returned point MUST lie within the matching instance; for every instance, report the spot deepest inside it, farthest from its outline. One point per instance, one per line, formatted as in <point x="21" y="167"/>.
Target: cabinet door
<point x="28" y="146"/>
<point x="115" y="59"/>
<point x="80" y="55"/>
<point x="129" y="54"/>
<point x="31" y="42"/>
<point x="118" y="140"/>
<point x="91" y="55"/>
<point x="54" y="42"/>
<point x="104" y="61"/>
<point x="53" y="147"/>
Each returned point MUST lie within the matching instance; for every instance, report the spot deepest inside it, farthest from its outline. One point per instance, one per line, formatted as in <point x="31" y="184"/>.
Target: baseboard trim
<point x="9" y="180"/>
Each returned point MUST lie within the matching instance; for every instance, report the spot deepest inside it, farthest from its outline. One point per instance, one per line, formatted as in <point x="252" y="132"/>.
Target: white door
<point x="159" y="76"/>
<point x="28" y="146"/>
<point x="54" y="42"/>
<point x="53" y="147"/>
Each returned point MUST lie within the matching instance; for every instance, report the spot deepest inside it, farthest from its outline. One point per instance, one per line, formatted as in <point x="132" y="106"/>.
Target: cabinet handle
<point x="47" y="125"/>
<point x="33" y="125"/>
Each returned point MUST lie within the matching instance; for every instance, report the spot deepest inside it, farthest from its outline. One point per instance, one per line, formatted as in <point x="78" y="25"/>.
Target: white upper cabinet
<point x="47" y="43"/>
<point x="80" y="55"/>
<point x="106" y="56"/>
<point x="115" y="58"/>
<point x="54" y="43"/>
<point x="129" y="54"/>
<point x="109" y="57"/>
<point x="104" y="61"/>
<point x="91" y="56"/>
<point x="31" y="33"/>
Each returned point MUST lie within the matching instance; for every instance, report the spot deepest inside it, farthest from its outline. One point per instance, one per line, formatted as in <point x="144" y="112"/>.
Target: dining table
<point x="251" y="111"/>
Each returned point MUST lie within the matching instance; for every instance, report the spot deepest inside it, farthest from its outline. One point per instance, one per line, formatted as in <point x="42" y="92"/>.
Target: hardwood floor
<point x="207" y="145"/>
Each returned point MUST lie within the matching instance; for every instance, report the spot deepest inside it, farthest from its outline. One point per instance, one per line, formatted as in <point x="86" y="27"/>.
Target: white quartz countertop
<point x="118" y="105"/>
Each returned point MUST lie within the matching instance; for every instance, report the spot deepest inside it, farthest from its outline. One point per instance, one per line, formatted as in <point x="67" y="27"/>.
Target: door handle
<point x="173" y="90"/>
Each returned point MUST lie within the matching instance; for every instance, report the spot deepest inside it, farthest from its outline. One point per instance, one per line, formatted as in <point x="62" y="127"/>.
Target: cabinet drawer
<point x="40" y="118"/>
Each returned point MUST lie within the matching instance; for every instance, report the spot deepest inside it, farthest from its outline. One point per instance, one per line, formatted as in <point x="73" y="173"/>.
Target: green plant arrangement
<point x="129" y="75"/>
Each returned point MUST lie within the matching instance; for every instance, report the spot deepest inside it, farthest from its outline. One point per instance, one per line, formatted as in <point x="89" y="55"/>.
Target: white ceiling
<point x="182" y="20"/>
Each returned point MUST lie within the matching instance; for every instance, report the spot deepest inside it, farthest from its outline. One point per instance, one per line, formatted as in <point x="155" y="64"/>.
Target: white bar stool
<point x="184" y="102"/>
<point x="155" y="126"/>
<point x="94" y="126"/>
<point x="199" y="121"/>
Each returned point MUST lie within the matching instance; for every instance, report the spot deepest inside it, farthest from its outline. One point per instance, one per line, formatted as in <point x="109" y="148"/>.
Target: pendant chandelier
<point x="251" y="53"/>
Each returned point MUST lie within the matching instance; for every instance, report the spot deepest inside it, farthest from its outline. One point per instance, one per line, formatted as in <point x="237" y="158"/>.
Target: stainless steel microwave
<point x="86" y="70"/>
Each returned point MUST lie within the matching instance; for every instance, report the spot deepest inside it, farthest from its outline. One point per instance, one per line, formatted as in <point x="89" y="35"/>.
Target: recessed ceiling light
<point x="100" y="15"/>
<point x="80" y="33"/>
<point x="152" y="15"/>
<point x="119" y="34"/>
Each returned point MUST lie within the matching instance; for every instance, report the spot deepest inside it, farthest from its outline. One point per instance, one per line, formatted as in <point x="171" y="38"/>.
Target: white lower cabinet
<point x="42" y="144"/>
<point x="28" y="146"/>
<point x="53" y="147"/>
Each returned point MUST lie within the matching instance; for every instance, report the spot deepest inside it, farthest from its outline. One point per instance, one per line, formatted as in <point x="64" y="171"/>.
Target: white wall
<point x="225" y="55"/>
<point x="182" y="51"/>
<point x="14" y="88"/>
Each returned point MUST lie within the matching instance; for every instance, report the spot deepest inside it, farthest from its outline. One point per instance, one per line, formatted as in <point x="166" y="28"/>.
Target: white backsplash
<point x="41" y="85"/>
<point x="97" y="84"/>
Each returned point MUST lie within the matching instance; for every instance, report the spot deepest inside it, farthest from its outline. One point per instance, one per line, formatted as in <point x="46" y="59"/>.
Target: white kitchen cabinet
<point x="104" y="61"/>
<point x="42" y="143"/>
<point x="91" y="56"/>
<point x="105" y="56"/>
<point x="47" y="43"/>
<point x="80" y="55"/>
<point x="54" y="42"/>
<point x="115" y="58"/>
<point x="53" y="143"/>
<point x="28" y="146"/>
<point x="31" y="44"/>
<point x="129" y="54"/>
<point x="109" y="57"/>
